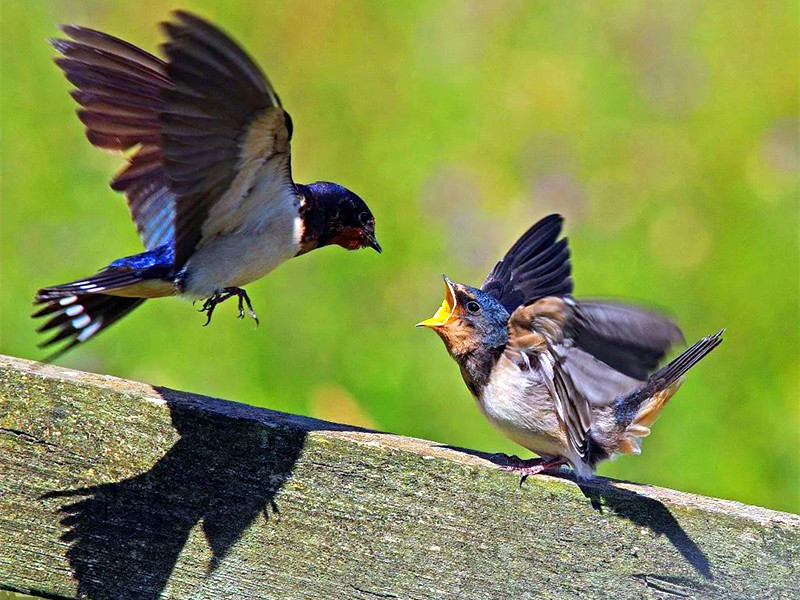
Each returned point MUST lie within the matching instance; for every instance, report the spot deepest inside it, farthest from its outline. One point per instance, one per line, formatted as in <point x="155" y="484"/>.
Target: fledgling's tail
<point x="638" y="410"/>
<point x="80" y="310"/>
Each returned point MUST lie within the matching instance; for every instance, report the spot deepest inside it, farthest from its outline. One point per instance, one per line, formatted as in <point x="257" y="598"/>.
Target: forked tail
<point x="638" y="410"/>
<point x="80" y="310"/>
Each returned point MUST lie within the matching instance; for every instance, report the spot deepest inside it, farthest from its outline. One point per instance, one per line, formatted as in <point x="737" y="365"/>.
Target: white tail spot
<point x="90" y="331"/>
<point x="74" y="310"/>
<point x="81" y="321"/>
<point x="68" y="300"/>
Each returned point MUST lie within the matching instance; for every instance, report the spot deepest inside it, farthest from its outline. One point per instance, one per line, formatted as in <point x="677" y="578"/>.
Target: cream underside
<point x="517" y="403"/>
<point x="254" y="227"/>
<point x="251" y="230"/>
<point x="152" y="288"/>
<point x="519" y="406"/>
<point x="243" y="256"/>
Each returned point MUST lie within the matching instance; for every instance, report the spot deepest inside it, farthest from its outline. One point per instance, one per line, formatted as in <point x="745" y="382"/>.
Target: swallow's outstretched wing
<point x="206" y="123"/>
<point x="224" y="133"/>
<point x="120" y="90"/>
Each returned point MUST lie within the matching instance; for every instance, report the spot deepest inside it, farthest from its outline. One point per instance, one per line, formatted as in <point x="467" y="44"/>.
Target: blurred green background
<point x="665" y="132"/>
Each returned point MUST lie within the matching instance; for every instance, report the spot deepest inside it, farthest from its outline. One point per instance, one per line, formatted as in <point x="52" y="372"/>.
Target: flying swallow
<point x="208" y="180"/>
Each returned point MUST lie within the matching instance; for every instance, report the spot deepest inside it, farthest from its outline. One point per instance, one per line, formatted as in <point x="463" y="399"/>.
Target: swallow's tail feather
<point x="79" y="317"/>
<point x="107" y="280"/>
<point x="80" y="310"/>
<point x="638" y="410"/>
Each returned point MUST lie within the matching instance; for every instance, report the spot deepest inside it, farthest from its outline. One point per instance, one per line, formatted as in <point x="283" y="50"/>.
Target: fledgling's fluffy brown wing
<point x="542" y="336"/>
<point x="630" y="339"/>
<point x="537" y="342"/>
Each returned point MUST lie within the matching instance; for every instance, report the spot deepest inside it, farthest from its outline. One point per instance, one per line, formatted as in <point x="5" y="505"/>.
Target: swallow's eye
<point x="473" y="307"/>
<point x="363" y="218"/>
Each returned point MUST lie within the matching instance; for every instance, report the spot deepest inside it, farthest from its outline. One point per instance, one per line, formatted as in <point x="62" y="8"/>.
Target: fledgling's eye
<point x="473" y="307"/>
<point x="363" y="218"/>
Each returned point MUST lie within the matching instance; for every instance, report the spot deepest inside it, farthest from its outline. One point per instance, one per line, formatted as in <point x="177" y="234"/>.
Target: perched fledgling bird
<point x="208" y="180"/>
<point x="572" y="381"/>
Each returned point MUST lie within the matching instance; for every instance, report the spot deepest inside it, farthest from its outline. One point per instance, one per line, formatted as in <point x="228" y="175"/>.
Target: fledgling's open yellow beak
<point x="446" y="312"/>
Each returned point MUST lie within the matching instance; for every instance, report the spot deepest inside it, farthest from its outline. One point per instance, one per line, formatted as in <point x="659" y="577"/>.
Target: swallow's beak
<point x="446" y="312"/>
<point x="372" y="242"/>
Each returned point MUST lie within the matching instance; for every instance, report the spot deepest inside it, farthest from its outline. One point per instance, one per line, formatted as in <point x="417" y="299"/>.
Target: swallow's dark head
<point x="469" y="320"/>
<point x="333" y="214"/>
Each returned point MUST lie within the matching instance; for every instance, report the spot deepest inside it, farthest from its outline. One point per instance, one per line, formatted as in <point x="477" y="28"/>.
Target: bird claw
<point x="211" y="303"/>
<point x="252" y="313"/>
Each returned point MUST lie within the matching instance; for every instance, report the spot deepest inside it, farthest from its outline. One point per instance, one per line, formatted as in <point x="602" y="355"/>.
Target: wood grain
<point x="115" y="489"/>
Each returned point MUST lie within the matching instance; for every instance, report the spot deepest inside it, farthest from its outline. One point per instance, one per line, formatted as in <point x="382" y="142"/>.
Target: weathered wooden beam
<point x="111" y="489"/>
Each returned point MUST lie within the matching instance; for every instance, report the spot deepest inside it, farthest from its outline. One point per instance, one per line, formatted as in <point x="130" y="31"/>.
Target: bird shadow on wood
<point x="640" y="510"/>
<point x="222" y="474"/>
<point x="646" y="512"/>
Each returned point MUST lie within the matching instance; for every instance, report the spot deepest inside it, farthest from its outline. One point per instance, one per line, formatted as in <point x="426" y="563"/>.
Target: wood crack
<point x="373" y="594"/>
<point x="29" y="437"/>
<point x="662" y="584"/>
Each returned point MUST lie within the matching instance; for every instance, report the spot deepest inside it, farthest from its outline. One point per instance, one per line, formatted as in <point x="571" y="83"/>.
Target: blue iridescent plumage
<point x="157" y="263"/>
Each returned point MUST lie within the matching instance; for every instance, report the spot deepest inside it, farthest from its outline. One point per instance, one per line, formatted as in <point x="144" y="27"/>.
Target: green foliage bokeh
<point x="666" y="133"/>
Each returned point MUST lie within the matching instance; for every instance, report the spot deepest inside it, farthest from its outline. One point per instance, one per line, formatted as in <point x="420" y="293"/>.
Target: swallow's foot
<point x="229" y="292"/>
<point x="244" y="299"/>
<point x="532" y="466"/>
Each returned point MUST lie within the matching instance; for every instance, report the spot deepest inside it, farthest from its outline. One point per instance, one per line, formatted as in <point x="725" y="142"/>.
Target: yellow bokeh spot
<point x="333" y="403"/>
<point x="680" y="238"/>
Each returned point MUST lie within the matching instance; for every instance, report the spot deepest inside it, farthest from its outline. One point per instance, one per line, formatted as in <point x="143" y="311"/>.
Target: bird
<point x="574" y="381"/>
<point x="208" y="178"/>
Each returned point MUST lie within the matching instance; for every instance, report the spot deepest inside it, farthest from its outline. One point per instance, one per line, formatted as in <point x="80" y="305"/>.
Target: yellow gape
<point x="446" y="312"/>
